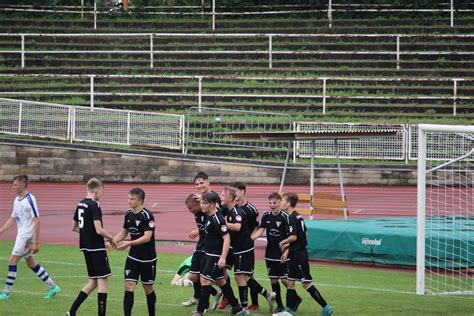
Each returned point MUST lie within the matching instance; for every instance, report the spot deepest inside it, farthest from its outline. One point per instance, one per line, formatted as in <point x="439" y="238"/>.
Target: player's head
<point x="274" y="202"/>
<point x="289" y="199"/>
<point x="201" y="180"/>
<point x="193" y="204"/>
<point x="209" y="201"/>
<point x="95" y="188"/>
<point x="136" y="198"/>
<point x="20" y="183"/>
<point x="240" y="190"/>
<point x="228" y="196"/>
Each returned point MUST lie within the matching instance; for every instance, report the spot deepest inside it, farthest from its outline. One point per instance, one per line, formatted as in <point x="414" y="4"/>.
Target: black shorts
<point x="277" y="269"/>
<point x="197" y="262"/>
<point x="299" y="266"/>
<point x="211" y="271"/>
<point x="97" y="264"/>
<point x="244" y="262"/>
<point x="145" y="271"/>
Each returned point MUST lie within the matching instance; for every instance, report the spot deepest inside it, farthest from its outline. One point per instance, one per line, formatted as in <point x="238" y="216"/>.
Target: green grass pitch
<point x="351" y="291"/>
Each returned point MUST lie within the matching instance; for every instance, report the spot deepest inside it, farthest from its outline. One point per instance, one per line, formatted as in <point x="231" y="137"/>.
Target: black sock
<point x="77" y="303"/>
<point x="229" y="294"/>
<point x="197" y="289"/>
<point x="127" y="303"/>
<point x="256" y="287"/>
<point x="276" y="288"/>
<point x="243" y="294"/>
<point x="291" y="298"/>
<point x="254" y="296"/>
<point x="204" y="299"/>
<point x="151" y="303"/>
<point x="101" y="303"/>
<point x="213" y="291"/>
<point x="316" y="296"/>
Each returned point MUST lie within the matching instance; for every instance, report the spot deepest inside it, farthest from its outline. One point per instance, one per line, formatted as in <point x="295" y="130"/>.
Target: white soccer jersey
<point x="24" y="210"/>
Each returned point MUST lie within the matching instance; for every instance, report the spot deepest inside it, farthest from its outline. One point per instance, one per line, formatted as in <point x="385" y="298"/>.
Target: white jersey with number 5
<point x="24" y="211"/>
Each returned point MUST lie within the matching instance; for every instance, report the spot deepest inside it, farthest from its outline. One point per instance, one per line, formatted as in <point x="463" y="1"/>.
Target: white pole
<point x="398" y="52"/>
<point x="22" y="51"/>
<point x="270" y="58"/>
<point x="324" y="95"/>
<point x="330" y="13"/>
<point x="213" y="15"/>
<point x="311" y="181"/>
<point x="455" y="95"/>
<point x="452" y="13"/>
<point x="82" y="9"/>
<point x="128" y="128"/>
<point x="420" y="222"/>
<point x="341" y="180"/>
<point x="92" y="93"/>
<point x="73" y="124"/>
<point x="151" y="51"/>
<point x="20" y="112"/>
<point x="95" y="15"/>
<point x="200" y="94"/>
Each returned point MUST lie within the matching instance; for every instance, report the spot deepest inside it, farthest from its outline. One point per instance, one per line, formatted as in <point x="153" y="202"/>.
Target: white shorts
<point x="22" y="247"/>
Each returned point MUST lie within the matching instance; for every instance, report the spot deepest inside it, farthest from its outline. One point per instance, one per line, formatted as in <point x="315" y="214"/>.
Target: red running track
<point x="57" y="202"/>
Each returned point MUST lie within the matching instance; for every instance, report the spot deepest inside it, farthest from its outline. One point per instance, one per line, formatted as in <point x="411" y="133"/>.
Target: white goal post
<point x="445" y="216"/>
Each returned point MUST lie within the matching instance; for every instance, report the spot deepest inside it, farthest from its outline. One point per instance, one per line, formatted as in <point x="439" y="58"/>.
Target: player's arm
<point x="225" y="250"/>
<point x="121" y="235"/>
<point x="10" y="221"/>
<point x="75" y="226"/>
<point x="193" y="234"/>
<point x="35" y="246"/>
<point x="234" y="227"/>
<point x="102" y="232"/>
<point x="293" y="228"/>
<point x="139" y="241"/>
<point x="257" y="233"/>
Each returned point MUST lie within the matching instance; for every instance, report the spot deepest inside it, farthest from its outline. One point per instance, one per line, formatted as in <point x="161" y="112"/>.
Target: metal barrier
<point x="268" y="40"/>
<point x="83" y="124"/>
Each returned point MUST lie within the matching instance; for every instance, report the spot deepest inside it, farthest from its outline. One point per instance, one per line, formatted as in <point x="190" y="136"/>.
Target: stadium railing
<point x="94" y="125"/>
<point x="269" y="38"/>
<point x="214" y="10"/>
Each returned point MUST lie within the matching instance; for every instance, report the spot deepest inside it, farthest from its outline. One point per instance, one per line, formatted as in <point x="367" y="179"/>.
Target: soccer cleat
<point x="271" y="300"/>
<point x="216" y="299"/>
<point x="253" y="307"/>
<point x="279" y="309"/>
<point x="4" y="296"/>
<point x="53" y="291"/>
<point x="223" y="304"/>
<point x="284" y="313"/>
<point x="196" y="314"/>
<point x="327" y="310"/>
<point x="299" y="299"/>
<point x="236" y="309"/>
<point x="192" y="301"/>
<point x="243" y="311"/>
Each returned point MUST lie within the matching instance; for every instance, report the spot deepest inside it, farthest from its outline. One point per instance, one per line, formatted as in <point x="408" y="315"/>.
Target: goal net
<point x="445" y="224"/>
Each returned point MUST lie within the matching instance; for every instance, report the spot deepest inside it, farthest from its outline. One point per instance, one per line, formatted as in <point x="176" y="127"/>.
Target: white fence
<point x="324" y="95"/>
<point x="269" y="40"/>
<point x="214" y="10"/>
<point x="83" y="124"/>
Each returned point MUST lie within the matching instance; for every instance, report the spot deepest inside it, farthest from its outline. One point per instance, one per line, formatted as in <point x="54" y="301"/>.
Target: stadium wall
<point x="69" y="164"/>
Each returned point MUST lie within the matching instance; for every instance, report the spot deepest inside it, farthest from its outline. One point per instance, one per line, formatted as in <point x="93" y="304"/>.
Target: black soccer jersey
<point x="277" y="230"/>
<point x="200" y="219"/>
<point x="88" y="211"/>
<point x="241" y="240"/>
<point x="251" y="215"/>
<point x="215" y="229"/>
<point x="297" y="227"/>
<point x="137" y="224"/>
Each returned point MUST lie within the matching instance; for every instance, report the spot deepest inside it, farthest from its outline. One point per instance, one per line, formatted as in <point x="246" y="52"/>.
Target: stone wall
<point x="47" y="163"/>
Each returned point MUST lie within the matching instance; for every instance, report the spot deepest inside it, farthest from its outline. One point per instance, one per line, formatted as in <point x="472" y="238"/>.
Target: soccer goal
<point x="445" y="223"/>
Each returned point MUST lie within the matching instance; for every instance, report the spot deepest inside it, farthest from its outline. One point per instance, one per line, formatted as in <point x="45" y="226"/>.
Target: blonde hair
<point x="93" y="184"/>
